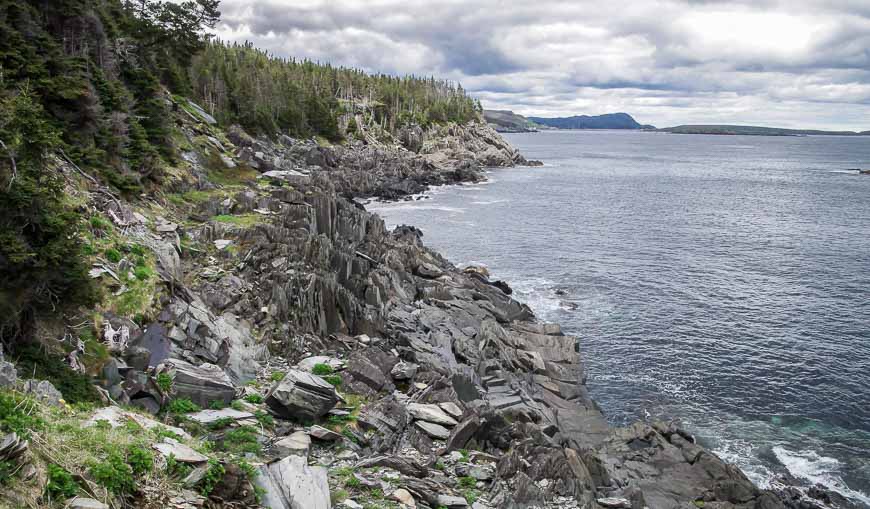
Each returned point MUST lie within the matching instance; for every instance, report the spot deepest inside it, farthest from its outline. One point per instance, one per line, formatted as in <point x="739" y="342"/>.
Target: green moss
<point x="277" y="376"/>
<point x="113" y="255"/>
<point x="142" y="273"/>
<point x="242" y="440"/>
<point x="333" y="379"/>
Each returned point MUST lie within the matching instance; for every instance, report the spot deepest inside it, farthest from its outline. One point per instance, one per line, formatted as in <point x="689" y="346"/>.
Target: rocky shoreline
<point x="390" y="377"/>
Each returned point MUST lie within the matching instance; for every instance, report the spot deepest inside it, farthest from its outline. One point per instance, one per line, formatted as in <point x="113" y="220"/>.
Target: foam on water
<point x="817" y="469"/>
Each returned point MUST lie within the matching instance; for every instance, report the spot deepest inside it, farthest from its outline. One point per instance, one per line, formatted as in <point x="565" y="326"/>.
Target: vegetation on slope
<point x="87" y="84"/>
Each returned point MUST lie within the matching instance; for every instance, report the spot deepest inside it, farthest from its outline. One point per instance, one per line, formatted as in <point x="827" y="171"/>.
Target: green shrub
<point x="467" y="482"/>
<point x="114" y="474"/>
<point x="113" y="255"/>
<point x="237" y="405"/>
<point x="241" y="440"/>
<point x="217" y="405"/>
<point x="277" y="376"/>
<point x="221" y="423"/>
<point x="265" y="420"/>
<point x="61" y="484"/>
<point x="254" y="398"/>
<point x="76" y="387"/>
<point x="142" y="273"/>
<point x="140" y="459"/>
<point x="164" y="381"/>
<point x="137" y="249"/>
<point x="182" y="406"/>
<point x="212" y="477"/>
<point x="322" y="369"/>
<point x="176" y="468"/>
<point x="18" y="414"/>
<point x="7" y="470"/>
<point x="333" y="379"/>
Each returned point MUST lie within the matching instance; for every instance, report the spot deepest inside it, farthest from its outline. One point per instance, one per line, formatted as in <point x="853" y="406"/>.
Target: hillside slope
<point x="607" y="121"/>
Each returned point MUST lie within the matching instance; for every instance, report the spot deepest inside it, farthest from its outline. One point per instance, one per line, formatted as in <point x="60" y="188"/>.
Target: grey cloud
<point x="666" y="58"/>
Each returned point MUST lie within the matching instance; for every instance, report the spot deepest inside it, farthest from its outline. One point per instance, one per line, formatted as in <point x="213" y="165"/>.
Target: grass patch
<point x="242" y="440"/>
<point x="242" y="220"/>
<point x="182" y="406"/>
<point x="254" y="399"/>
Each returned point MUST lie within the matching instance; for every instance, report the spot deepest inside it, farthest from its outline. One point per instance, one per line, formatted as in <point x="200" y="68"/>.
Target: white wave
<point x="490" y="202"/>
<point x="810" y="466"/>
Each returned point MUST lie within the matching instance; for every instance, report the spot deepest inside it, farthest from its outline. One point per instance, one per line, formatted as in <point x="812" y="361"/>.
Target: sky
<point x="781" y="63"/>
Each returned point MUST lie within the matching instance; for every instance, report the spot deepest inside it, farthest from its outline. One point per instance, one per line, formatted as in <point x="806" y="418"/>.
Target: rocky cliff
<point x="341" y="364"/>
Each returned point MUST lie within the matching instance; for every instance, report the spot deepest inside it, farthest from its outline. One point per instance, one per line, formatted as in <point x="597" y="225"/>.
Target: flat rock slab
<point x="433" y="430"/>
<point x="307" y="364"/>
<point x="431" y="413"/>
<point x="117" y="416"/>
<point x="207" y="417"/>
<point x="452" y="409"/>
<point x="179" y="451"/>
<point x="292" y="484"/>
<point x="202" y="384"/>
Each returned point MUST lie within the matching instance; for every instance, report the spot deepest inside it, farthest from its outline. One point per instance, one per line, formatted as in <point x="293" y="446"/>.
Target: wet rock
<point x="300" y="395"/>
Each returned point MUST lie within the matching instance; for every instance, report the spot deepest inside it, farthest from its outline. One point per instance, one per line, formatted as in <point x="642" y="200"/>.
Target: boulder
<point x="8" y="374"/>
<point x="321" y="433"/>
<point x="300" y="395"/>
<point x="43" y="391"/>
<point x="201" y="384"/>
<point x="292" y="484"/>
<point x="116" y="416"/>
<point x="297" y="443"/>
<point x="404" y="371"/>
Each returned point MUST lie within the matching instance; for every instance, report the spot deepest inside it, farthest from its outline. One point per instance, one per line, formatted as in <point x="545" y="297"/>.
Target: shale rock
<point x="292" y="484"/>
<point x="300" y="395"/>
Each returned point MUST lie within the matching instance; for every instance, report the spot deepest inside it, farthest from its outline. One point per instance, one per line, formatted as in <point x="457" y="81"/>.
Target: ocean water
<point x="721" y="280"/>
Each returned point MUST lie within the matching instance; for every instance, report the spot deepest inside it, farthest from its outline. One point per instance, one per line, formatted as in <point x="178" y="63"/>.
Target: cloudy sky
<point x="788" y="63"/>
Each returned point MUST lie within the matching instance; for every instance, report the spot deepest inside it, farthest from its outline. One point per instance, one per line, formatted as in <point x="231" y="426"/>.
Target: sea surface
<point x="721" y="280"/>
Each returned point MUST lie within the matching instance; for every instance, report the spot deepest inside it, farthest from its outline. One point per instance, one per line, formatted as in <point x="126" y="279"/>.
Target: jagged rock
<point x="292" y="484"/>
<point x="201" y="384"/>
<point x="298" y="443"/>
<point x="479" y="472"/>
<point x="206" y="417"/>
<point x="300" y="395"/>
<point x="462" y="433"/>
<point x="182" y="453"/>
<point x="404" y="465"/>
<point x="433" y="430"/>
<point x="431" y="413"/>
<point x="321" y="433"/>
<point x="404" y="371"/>
<point x="8" y="374"/>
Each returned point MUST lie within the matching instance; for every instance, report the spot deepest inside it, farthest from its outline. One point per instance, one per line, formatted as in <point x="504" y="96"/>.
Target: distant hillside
<point x="506" y="121"/>
<point x="608" y="121"/>
<point x="755" y="131"/>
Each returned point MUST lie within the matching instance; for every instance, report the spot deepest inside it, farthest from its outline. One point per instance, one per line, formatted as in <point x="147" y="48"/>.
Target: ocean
<point x="720" y="280"/>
